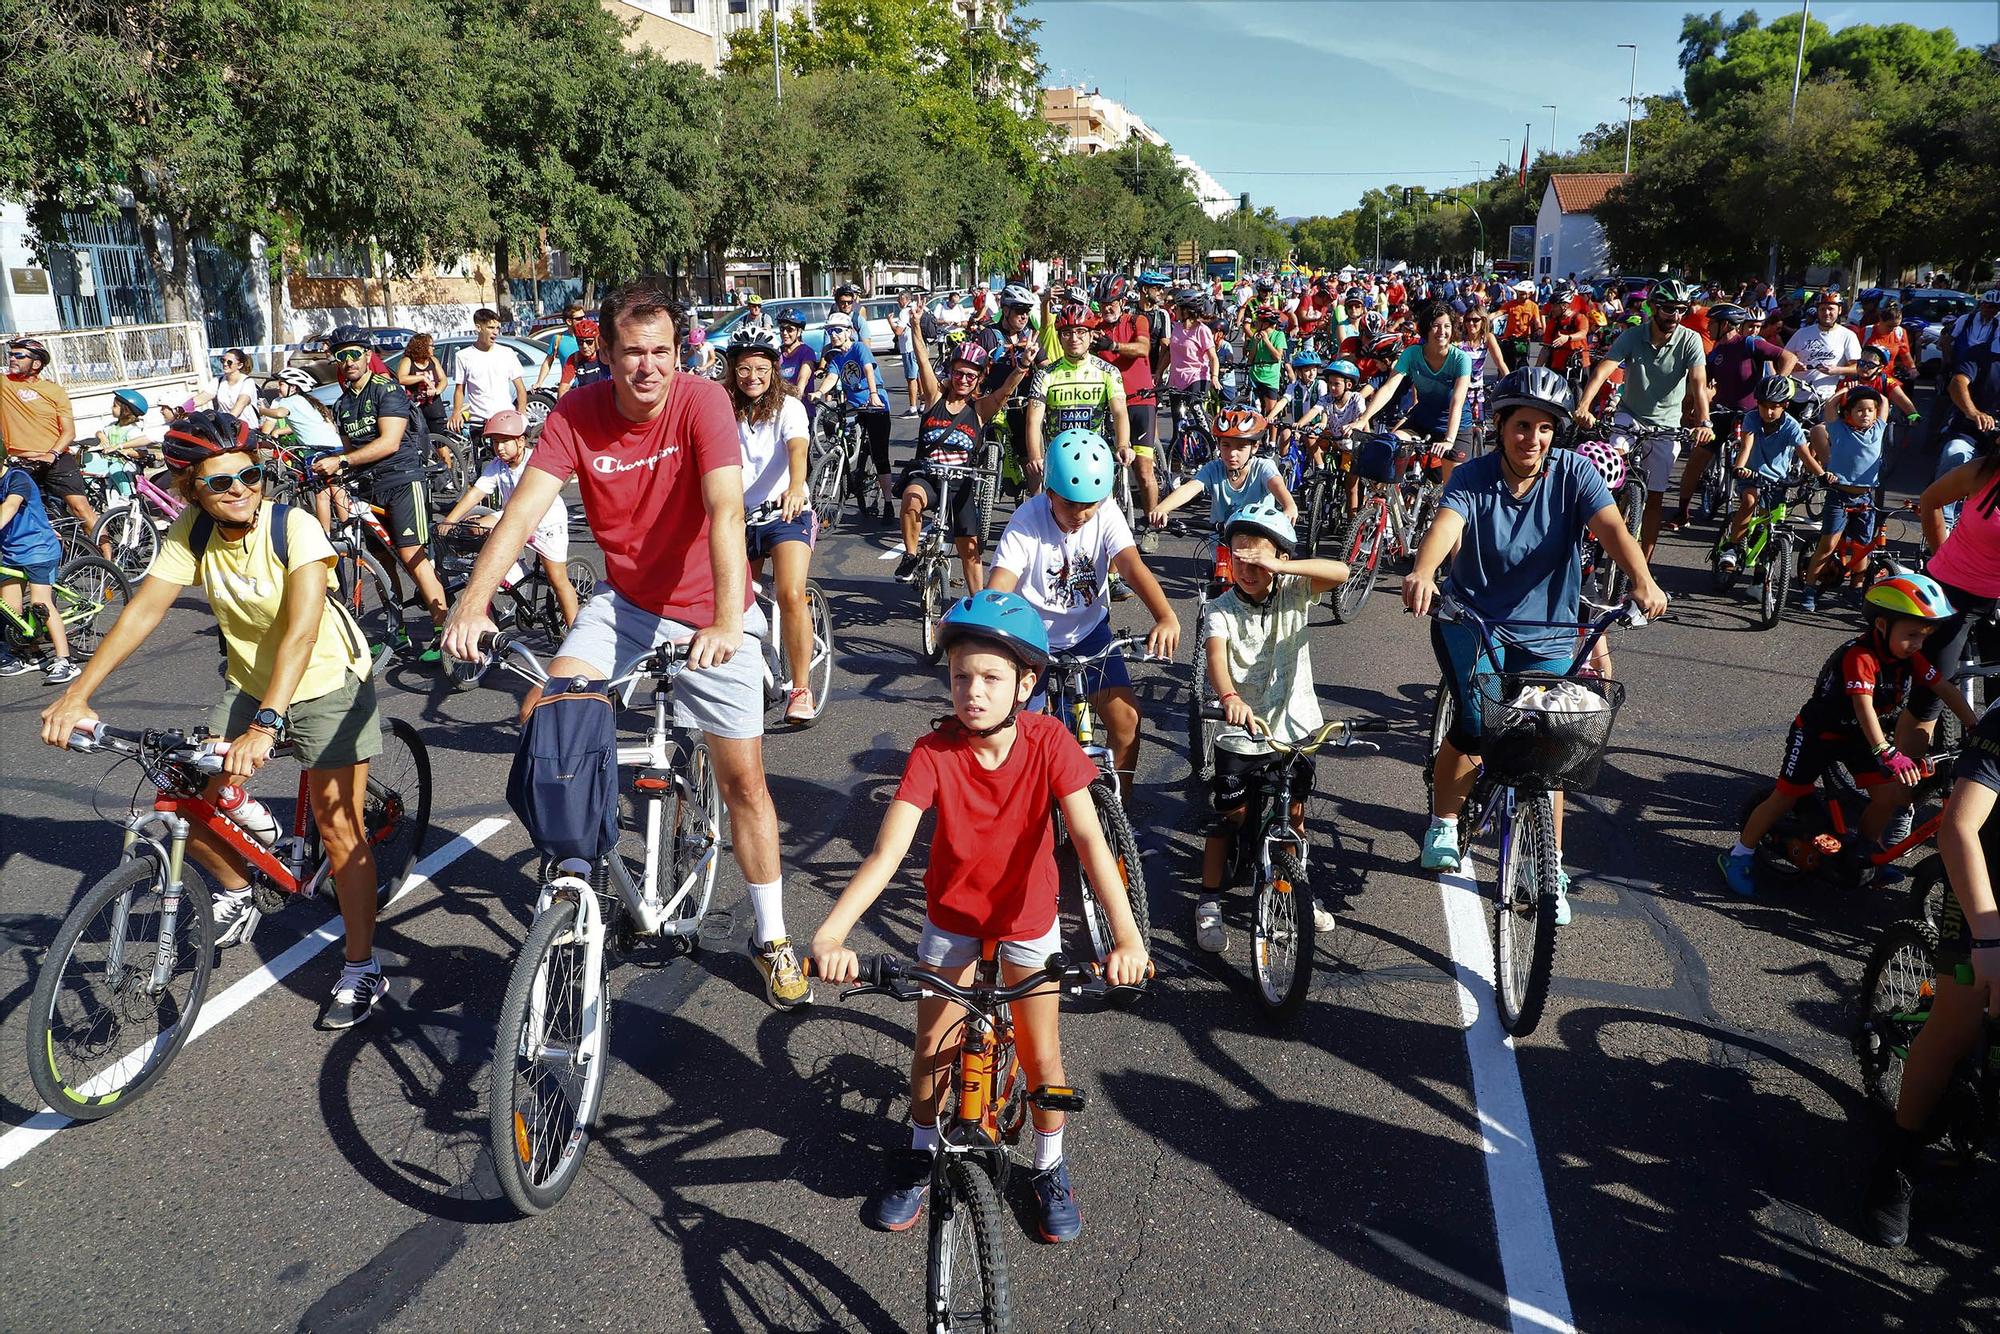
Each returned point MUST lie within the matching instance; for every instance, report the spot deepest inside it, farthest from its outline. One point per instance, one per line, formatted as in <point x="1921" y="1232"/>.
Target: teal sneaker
<point x="1740" y="873"/>
<point x="1440" y="847"/>
<point x="1562" y="897"/>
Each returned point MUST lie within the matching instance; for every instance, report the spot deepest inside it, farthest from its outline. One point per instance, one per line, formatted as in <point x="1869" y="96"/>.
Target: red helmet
<point x="203" y="435"/>
<point x="1386" y="347"/>
<point x="586" y="328"/>
<point x="1240" y="424"/>
<point x="1075" y="316"/>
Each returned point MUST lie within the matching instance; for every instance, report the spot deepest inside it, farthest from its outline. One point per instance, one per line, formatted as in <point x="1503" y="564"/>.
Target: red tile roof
<point x="1580" y="192"/>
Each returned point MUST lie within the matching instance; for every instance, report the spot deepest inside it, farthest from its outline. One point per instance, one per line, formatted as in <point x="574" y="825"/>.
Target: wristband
<point x="1988" y="943"/>
<point x="1232" y="695"/>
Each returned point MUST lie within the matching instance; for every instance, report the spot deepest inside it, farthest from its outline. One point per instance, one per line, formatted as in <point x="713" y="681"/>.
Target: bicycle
<point x="1530" y="749"/>
<point x="983" y="1102"/>
<point x="1276" y="858"/>
<point x="554" y="1042"/>
<point x="1398" y="500"/>
<point x="1898" y="988"/>
<point x="363" y="584"/>
<point x="935" y="553"/>
<point x="840" y="469"/>
<point x="1768" y="550"/>
<point x="525" y="601"/>
<point x="1212" y="557"/>
<point x="135" y="952"/>
<point x="130" y="525"/>
<point x="1713" y="489"/>
<point x="819" y="669"/>
<point x="84" y="591"/>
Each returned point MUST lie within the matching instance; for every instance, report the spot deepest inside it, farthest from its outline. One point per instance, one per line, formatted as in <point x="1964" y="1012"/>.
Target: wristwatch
<point x="270" y="720"/>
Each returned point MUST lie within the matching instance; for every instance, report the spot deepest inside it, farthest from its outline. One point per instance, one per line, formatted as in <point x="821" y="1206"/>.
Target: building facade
<point x="1568" y="238"/>
<point x="1091" y="122"/>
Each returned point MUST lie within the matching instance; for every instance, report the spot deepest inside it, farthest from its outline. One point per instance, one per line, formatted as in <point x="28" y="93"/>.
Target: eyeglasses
<point x="350" y="354"/>
<point x="223" y="482"/>
<point x="17" y="356"/>
<point x="1672" y="308"/>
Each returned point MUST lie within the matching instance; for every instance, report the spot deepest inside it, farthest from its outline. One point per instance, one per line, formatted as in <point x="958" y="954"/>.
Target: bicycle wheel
<point x="1896" y="993"/>
<point x="581" y="578"/>
<point x="965" y="1279"/>
<point x="865" y="484"/>
<point x="1283" y="935"/>
<point x="99" y="1031"/>
<point x="1715" y="489"/>
<point x="819" y="671"/>
<point x="548" y="1064"/>
<point x="1200" y="730"/>
<point x="827" y="485"/>
<point x="1080" y="899"/>
<point x="1444" y="710"/>
<point x="396" y="809"/>
<point x="696" y="844"/>
<point x="933" y="597"/>
<point x="134" y="541"/>
<point x="89" y="594"/>
<point x="1361" y="548"/>
<point x="368" y="596"/>
<point x="1777" y="583"/>
<point x="989" y="491"/>
<point x="1524" y="913"/>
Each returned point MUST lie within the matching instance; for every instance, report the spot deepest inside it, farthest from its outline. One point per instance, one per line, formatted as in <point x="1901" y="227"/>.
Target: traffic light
<point x="1243" y="202"/>
<point x="1406" y="196"/>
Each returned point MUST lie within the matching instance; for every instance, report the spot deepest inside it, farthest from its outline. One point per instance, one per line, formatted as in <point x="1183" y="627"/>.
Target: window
<point x="739" y="6"/>
<point x="680" y="6"/>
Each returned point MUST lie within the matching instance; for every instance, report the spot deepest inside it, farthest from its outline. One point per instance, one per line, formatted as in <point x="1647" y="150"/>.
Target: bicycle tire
<point x="583" y="580"/>
<point x="1200" y="730"/>
<point x="1362" y="545"/>
<point x="1715" y="490"/>
<point x="965" y="1227"/>
<point x="1776" y="586"/>
<point x="540" y="1129"/>
<point x="134" y="541"/>
<point x="864" y="482"/>
<point x="96" y="592"/>
<point x="1524" y="914"/>
<point x="697" y="827"/>
<point x="819" y="671"/>
<point x="989" y="492"/>
<point x="397" y="825"/>
<point x="827" y="485"/>
<point x="1444" y="710"/>
<point x="367" y="595"/>
<point x="103" y="1092"/>
<point x="1283" y="935"/>
<point x="1077" y="896"/>
<point x="1895" y="996"/>
<point x="932" y="596"/>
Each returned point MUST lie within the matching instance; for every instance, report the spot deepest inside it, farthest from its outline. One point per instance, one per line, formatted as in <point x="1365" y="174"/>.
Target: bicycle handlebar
<point x="173" y="746"/>
<point x="887" y="975"/>
<point x="1119" y="647"/>
<point x="1347" y="728"/>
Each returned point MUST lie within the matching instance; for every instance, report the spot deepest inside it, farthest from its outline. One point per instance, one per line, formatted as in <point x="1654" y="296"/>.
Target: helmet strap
<point x="1508" y="463"/>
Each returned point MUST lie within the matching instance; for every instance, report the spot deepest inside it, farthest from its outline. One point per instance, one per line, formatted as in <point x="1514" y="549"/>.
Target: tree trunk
<point x="501" y="288"/>
<point x="170" y="261"/>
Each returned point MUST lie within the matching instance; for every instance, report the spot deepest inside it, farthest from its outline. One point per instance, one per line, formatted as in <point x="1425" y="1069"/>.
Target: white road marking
<point x="39" y="1128"/>
<point x="1536" y="1296"/>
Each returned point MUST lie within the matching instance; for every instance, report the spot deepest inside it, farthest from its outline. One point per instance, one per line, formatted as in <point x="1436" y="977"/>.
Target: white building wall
<point x="23" y="311"/>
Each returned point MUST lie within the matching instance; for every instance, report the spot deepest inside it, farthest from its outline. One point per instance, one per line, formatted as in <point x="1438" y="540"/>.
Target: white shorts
<point x="1661" y="455"/>
<point x="726" y="701"/>
<point x="550" y="540"/>
<point x="939" y="948"/>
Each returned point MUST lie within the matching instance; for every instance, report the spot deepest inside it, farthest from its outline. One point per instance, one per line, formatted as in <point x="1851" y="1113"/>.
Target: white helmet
<point x="299" y="379"/>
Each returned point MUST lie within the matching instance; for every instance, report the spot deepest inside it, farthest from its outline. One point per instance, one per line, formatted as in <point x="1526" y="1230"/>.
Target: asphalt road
<point x="1679" y="1146"/>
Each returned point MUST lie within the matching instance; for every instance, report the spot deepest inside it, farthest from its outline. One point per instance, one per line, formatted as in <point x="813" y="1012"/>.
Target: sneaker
<point x="1900" y="826"/>
<point x="1887" y="876"/>
<point x="1808" y="599"/>
<point x="1562" y="897"/>
<point x="229" y="909"/>
<point x="906" y="568"/>
<point x="1440" y="847"/>
<point x="1062" y="1218"/>
<point x="13" y="666"/>
<point x="785" y="984"/>
<point x="355" y="997"/>
<point x="1740" y="873"/>
<point x="1728" y="561"/>
<point x="432" y="655"/>
<point x="894" y="1208"/>
<point x="1149" y="541"/>
<point x="1886" y="1207"/>
<point x="800" y="710"/>
<point x="1208" y="932"/>
<point x="1120" y="590"/>
<point x="60" y="671"/>
<point x="1322" y="920"/>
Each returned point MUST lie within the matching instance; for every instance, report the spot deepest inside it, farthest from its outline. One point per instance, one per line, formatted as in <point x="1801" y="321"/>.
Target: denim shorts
<point x="940" y="948"/>
<point x="1461" y="656"/>
<point x="764" y="538"/>
<point x="726" y="701"/>
<point x="38" y="572"/>
<point x="1110" y="674"/>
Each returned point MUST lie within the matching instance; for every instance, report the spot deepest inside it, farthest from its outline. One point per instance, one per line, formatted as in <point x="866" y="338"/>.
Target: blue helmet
<point x="1006" y="618"/>
<point x="132" y="399"/>
<point x="1152" y="278"/>
<point x="1346" y="369"/>
<point x="1307" y="360"/>
<point x="1265" y="518"/>
<point x="1080" y="469"/>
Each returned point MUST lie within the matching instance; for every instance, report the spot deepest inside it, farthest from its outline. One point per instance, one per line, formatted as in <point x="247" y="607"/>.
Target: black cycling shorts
<point x="1139" y="421"/>
<point x="875" y="426"/>
<point x="964" y="499"/>
<point x="59" y="477"/>
<point x="406" y="511"/>
<point x="1808" y="752"/>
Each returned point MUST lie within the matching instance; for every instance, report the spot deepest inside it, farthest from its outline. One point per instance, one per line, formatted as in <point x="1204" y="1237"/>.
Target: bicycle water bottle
<point x="250" y="815"/>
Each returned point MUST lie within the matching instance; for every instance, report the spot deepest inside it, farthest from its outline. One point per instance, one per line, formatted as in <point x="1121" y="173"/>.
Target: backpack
<point x="563" y="785"/>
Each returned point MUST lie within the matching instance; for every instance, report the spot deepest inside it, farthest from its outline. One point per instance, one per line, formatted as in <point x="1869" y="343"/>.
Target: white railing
<point x="126" y="354"/>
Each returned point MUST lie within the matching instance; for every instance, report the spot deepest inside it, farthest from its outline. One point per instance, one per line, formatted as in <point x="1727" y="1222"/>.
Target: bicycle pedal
<point x="1058" y="1098"/>
<point x="717" y="927"/>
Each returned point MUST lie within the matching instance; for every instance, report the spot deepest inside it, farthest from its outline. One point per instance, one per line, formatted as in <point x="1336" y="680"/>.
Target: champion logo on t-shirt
<point x="609" y="466"/>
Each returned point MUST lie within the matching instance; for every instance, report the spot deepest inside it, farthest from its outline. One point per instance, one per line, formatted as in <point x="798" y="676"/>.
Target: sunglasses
<point x="350" y="354"/>
<point x="224" y="482"/>
<point x="18" y="356"/>
<point x="1672" y="308"/>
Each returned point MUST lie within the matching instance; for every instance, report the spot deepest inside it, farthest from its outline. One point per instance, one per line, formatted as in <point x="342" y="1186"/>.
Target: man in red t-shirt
<point x="655" y="455"/>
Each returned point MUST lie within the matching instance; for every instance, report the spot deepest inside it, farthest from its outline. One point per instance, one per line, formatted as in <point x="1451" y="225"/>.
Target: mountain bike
<point x="364" y="585"/>
<point x="1398" y="500"/>
<point x="1862" y="555"/>
<point x="1769" y="549"/>
<point x="1713" y="488"/>
<point x="936" y="552"/>
<point x="554" y="1043"/>
<point x="525" y="602"/>
<point x="1542" y="733"/>
<point x="819" y="668"/>
<point x="1322" y="500"/>
<point x="88" y="594"/>
<point x="983" y="1102"/>
<point x="840" y="469"/>
<point x="1193" y="441"/>
<point x="130" y="525"/>
<point x="1897" y="990"/>
<point x="122" y="985"/>
<point x="1276" y="856"/>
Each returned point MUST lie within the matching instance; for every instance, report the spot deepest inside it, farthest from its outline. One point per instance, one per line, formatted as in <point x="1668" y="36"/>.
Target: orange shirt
<point x="35" y="417"/>
<point x="1893" y="340"/>
<point x="1523" y="317"/>
<point x="1697" y="320"/>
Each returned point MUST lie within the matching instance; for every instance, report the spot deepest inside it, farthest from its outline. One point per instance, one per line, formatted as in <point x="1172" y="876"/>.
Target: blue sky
<point x="1412" y="92"/>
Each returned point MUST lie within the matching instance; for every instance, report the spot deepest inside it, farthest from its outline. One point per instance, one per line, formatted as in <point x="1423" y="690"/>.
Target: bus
<point x="1223" y="264"/>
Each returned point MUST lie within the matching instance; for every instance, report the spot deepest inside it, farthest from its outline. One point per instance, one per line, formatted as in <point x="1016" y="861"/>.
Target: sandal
<point x="800" y="710"/>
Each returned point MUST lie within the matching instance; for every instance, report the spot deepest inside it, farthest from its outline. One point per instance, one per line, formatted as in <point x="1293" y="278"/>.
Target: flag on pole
<point x="1522" y="179"/>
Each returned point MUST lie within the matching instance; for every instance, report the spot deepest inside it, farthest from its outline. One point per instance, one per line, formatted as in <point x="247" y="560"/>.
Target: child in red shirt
<point x="996" y="776"/>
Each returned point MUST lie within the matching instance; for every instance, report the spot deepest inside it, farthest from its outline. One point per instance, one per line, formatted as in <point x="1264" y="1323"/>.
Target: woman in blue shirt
<point x="1441" y="375"/>
<point x="1512" y="525"/>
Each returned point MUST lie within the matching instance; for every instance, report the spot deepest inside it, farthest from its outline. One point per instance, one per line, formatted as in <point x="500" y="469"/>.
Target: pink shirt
<point x="1970" y="557"/>
<point x="1187" y="356"/>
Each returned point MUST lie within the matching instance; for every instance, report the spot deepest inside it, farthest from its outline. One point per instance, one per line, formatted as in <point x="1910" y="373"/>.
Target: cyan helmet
<point x="1265" y="518"/>
<point x="1006" y="618"/>
<point x="1307" y="360"/>
<point x="1152" y="278"/>
<point x="1080" y="468"/>
<point x="132" y="399"/>
<point x="1345" y="369"/>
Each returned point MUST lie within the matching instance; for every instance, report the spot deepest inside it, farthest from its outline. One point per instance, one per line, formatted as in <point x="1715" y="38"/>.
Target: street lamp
<point x="1551" y="109"/>
<point x="1631" y="89"/>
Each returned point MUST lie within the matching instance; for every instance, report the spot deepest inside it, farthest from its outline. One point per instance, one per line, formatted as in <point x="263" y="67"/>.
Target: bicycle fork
<point x="167" y="874"/>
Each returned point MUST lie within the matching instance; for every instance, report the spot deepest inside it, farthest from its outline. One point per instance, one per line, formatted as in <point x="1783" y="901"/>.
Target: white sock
<point x="923" y="1137"/>
<point x="1448" y="821"/>
<point x="1740" y="851"/>
<point x="352" y="972"/>
<point x="1048" y="1148"/>
<point x="768" y="903"/>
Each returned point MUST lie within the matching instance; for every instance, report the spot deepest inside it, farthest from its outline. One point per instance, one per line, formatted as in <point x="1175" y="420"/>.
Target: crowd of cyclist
<point x="1495" y="389"/>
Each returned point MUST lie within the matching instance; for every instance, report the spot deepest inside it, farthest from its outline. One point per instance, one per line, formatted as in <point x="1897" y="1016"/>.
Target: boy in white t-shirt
<point x="495" y="484"/>
<point x="1058" y="552"/>
<point x="485" y="378"/>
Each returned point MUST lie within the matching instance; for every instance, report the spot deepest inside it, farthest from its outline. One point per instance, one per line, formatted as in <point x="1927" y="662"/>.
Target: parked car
<point x="528" y="352"/>
<point x="811" y="309"/>
<point x="880" y="312"/>
<point x="1926" y="311"/>
<point x="385" y="340"/>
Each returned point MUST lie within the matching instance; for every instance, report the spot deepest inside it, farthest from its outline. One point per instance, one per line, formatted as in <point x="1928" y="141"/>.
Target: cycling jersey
<point x="1078" y="394"/>
<point x="1735" y="367"/>
<point x="1574" y="325"/>
<point x="359" y="414"/>
<point x="1892" y="339"/>
<point x="580" y="371"/>
<point x="1136" y="371"/>
<point x="1860" y="668"/>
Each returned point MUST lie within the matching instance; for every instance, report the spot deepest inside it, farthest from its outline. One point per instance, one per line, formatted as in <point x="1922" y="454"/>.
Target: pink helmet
<point x="1605" y="459"/>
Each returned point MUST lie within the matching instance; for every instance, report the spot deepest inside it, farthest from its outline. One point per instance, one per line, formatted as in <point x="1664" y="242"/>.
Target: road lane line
<point x="39" y="1128"/>
<point x="1537" y="1297"/>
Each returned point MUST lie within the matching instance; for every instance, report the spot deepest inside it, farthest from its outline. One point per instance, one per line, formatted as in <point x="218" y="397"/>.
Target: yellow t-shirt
<point x="246" y="588"/>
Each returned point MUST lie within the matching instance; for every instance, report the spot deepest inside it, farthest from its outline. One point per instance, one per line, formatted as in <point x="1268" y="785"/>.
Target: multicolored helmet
<point x="969" y="353"/>
<point x="1777" y="389"/>
<point x="1608" y="461"/>
<point x="1910" y="597"/>
<point x="1240" y="424"/>
<point x="1075" y="315"/>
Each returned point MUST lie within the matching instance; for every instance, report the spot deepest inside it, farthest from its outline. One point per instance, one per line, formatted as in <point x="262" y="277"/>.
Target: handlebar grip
<point x="87" y="735"/>
<point x="1214" y="713"/>
<point x="1368" y="724"/>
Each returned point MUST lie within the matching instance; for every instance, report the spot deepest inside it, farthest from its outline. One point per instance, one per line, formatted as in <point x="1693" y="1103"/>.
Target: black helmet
<point x="1535" y="387"/>
<point x="1728" y="313"/>
<point x="203" y="435"/>
<point x="846" y="289"/>
<point x="1111" y="287"/>
<point x="1777" y="389"/>
<point x="790" y="316"/>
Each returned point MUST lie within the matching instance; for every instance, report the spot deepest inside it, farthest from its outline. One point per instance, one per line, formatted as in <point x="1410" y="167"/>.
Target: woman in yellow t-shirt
<point x="297" y="667"/>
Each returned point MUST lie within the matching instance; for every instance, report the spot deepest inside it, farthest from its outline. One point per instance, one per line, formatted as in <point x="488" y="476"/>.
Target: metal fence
<point x="123" y="354"/>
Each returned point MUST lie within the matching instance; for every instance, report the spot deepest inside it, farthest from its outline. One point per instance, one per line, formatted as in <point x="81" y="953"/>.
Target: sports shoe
<point x="1562" y="897"/>
<point x="1740" y="873"/>
<point x="355" y="997"/>
<point x="800" y="708"/>
<point x="1900" y="825"/>
<point x="1886" y="876"/>
<point x="894" y="1208"/>
<point x="1886" y="1206"/>
<point x="906" y="568"/>
<point x="1322" y="919"/>
<point x="432" y="655"/>
<point x="1440" y="847"/>
<point x="13" y="666"/>
<point x="1808" y="599"/>
<point x="1208" y="932"/>
<point x="59" y="671"/>
<point x="1728" y="561"/>
<point x="229" y="909"/>
<point x="785" y="984"/>
<point x="1062" y="1218"/>
<point x="1120" y="590"/>
<point x="1149" y="541"/>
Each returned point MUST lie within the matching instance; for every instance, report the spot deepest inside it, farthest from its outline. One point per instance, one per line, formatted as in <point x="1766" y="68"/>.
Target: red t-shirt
<point x="1135" y="371"/>
<point x="993" y="864"/>
<point x="641" y="485"/>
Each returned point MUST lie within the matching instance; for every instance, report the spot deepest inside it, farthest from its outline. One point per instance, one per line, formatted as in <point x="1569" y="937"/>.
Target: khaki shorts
<point x="338" y="730"/>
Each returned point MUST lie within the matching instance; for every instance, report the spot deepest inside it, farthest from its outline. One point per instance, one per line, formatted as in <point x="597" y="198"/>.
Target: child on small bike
<point x="1849" y="444"/>
<point x="1259" y="658"/>
<point x="1236" y="476"/>
<point x="1857" y="695"/>
<point x="111" y="457"/>
<point x="28" y="543"/>
<point x="1771" y="445"/>
<point x="505" y="431"/>
<point x="996" y="775"/>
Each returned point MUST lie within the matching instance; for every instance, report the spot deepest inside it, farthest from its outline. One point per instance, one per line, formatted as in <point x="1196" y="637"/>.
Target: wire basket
<point x="1544" y="731"/>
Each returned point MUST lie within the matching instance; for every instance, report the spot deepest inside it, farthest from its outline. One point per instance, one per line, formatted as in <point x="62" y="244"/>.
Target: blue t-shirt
<point x="1979" y="363"/>
<point x="28" y="538"/>
<point x="1855" y="457"/>
<point x="313" y="430"/>
<point x="1224" y="499"/>
<point x="1432" y="410"/>
<point x="853" y="367"/>
<point x="1771" y="446"/>
<point x="566" y="347"/>
<point x="1521" y="557"/>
